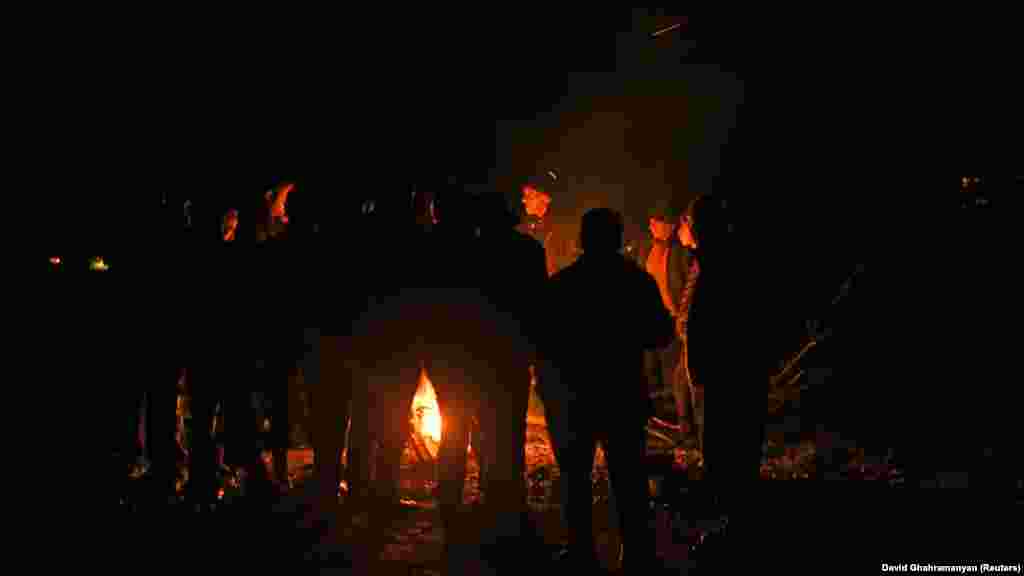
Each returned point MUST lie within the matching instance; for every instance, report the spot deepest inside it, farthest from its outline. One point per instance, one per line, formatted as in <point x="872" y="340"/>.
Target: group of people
<point x="232" y="364"/>
<point x="462" y="286"/>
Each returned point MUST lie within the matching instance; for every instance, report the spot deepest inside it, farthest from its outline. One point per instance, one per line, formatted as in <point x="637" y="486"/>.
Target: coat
<point x="557" y="239"/>
<point x="679" y="259"/>
<point x="604" y="313"/>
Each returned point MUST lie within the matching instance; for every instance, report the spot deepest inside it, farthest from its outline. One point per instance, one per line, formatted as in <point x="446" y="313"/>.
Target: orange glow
<point x="535" y="201"/>
<point x="278" y="208"/>
<point x="426" y="413"/>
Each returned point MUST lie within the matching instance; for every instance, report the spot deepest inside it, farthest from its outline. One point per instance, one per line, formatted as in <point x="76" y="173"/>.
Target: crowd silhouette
<point x="457" y="283"/>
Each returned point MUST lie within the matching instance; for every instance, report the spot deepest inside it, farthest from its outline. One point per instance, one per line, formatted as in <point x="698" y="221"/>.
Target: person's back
<point x="604" y="312"/>
<point x="607" y="309"/>
<point x="511" y="272"/>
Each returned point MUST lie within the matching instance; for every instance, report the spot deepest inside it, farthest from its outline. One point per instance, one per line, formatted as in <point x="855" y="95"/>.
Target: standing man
<point x="722" y="344"/>
<point x="387" y="350"/>
<point x="279" y="345"/>
<point x="513" y="274"/>
<point x="560" y="250"/>
<point x="537" y="196"/>
<point x="667" y="260"/>
<point x="604" y="312"/>
<point x="217" y="359"/>
<point x="684" y="382"/>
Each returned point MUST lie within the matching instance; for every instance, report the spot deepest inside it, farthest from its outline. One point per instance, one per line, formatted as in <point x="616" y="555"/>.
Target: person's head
<point x="662" y="220"/>
<point x="229" y="225"/>
<point x="423" y="206"/>
<point x="279" y="199"/>
<point x="387" y="208"/>
<point x="685" y="232"/>
<point x="493" y="210"/>
<point x="538" y="193"/>
<point x="660" y="229"/>
<point x="453" y="207"/>
<point x="601" y="232"/>
<point x="708" y="222"/>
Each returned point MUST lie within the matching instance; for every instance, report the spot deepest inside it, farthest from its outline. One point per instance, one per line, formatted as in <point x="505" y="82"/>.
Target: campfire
<point x="426" y="416"/>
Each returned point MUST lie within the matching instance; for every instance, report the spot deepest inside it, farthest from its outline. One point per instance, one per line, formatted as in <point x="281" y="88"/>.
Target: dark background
<point x="825" y="124"/>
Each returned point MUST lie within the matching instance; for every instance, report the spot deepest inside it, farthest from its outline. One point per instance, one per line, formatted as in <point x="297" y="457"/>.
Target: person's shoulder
<point x="570" y="272"/>
<point x="562" y="275"/>
<point x="631" y="266"/>
<point x="635" y="272"/>
<point x="526" y="242"/>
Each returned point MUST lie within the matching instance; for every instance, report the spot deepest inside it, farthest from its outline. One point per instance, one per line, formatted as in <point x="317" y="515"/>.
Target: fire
<point x="426" y="413"/>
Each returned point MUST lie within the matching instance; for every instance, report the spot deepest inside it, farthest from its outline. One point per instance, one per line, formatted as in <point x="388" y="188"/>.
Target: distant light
<point x="98" y="265"/>
<point x="55" y="260"/>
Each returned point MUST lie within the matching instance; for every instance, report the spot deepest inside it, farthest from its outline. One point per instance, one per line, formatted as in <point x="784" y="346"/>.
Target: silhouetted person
<point x="386" y="336"/>
<point x="460" y="328"/>
<point x="216" y="352"/>
<point x="513" y="275"/>
<point x="433" y="304"/>
<point x="327" y="306"/>
<point x="685" y="385"/>
<point x="667" y="260"/>
<point x="277" y="262"/>
<point x="605" y="311"/>
<point x="722" y="357"/>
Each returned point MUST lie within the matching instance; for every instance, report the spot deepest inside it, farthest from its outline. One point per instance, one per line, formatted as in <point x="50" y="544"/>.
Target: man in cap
<point x="668" y="261"/>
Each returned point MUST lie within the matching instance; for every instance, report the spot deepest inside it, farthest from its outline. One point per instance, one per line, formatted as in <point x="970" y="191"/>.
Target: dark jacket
<point x="558" y="240"/>
<point x="604" y="312"/>
<point x="514" y="275"/>
<point x="725" y="326"/>
<point x="678" y="265"/>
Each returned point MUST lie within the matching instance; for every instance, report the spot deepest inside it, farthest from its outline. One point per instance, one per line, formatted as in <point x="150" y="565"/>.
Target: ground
<point x="408" y="540"/>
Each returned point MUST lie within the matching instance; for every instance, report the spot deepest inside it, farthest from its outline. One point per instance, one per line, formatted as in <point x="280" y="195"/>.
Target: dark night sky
<point x="493" y="96"/>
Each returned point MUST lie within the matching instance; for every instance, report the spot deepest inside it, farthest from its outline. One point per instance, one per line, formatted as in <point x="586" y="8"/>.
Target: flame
<point x="424" y="403"/>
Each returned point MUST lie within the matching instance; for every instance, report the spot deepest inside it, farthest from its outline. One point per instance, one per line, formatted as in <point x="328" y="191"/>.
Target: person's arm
<point x="536" y="283"/>
<point x="677" y="276"/>
<point x="658" y="326"/>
